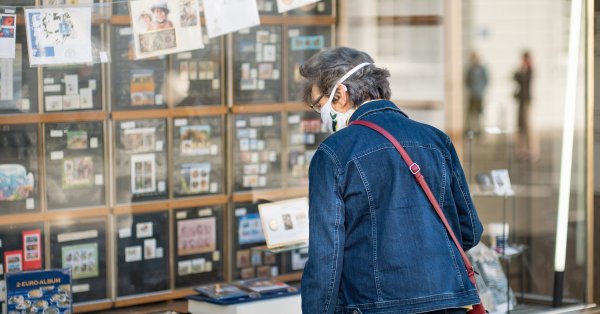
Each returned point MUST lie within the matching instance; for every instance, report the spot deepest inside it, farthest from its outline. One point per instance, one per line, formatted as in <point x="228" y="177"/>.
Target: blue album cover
<point x="45" y="291"/>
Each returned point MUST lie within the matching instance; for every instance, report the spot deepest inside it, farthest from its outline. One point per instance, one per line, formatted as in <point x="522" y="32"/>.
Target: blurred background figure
<point x="523" y="77"/>
<point x="476" y="81"/>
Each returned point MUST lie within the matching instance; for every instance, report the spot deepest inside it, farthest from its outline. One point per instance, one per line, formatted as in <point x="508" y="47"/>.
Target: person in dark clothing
<point x="523" y="77"/>
<point x="476" y="81"/>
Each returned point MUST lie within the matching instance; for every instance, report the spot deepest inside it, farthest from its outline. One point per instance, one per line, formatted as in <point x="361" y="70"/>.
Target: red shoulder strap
<point x="416" y="171"/>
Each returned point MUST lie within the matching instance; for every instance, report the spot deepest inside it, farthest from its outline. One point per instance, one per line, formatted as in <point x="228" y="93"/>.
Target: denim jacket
<point x="376" y="244"/>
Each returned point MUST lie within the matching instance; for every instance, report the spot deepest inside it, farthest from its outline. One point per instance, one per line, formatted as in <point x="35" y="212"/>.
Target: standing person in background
<point x="476" y="81"/>
<point x="376" y="242"/>
<point x="523" y="77"/>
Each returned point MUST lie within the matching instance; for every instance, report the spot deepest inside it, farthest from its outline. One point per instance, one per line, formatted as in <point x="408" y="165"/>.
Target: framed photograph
<point x="143" y="173"/>
<point x="82" y="259"/>
<point x="13" y="261"/>
<point x="305" y="135"/>
<point x="196" y="236"/>
<point x="285" y="222"/>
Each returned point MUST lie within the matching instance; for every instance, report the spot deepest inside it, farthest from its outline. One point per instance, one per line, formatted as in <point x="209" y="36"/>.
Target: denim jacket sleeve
<point x="470" y="225"/>
<point x="322" y="272"/>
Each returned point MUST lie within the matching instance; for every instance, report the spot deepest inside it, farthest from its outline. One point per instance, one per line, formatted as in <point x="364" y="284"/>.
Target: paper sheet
<point x="227" y="16"/>
<point x="286" y="5"/>
<point x="59" y="35"/>
<point x="165" y="26"/>
<point x="8" y="22"/>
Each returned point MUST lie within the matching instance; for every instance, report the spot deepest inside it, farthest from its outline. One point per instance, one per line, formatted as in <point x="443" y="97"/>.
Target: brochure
<point x="47" y="291"/>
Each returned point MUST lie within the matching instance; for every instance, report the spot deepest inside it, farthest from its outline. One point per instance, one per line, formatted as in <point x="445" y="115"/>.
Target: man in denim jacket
<point x="376" y="243"/>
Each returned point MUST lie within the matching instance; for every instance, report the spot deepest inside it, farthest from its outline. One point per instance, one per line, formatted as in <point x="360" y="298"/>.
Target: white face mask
<point x="334" y="120"/>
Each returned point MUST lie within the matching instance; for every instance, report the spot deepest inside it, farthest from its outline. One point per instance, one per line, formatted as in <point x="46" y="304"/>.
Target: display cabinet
<point x="19" y="169"/>
<point x="249" y="259"/>
<point x="18" y="81"/>
<point x="73" y="87"/>
<point x="305" y="133"/>
<point x="198" y="76"/>
<point x="142" y="248"/>
<point x="75" y="164"/>
<point x="256" y="151"/>
<point x="137" y="84"/>
<point x="82" y="246"/>
<point x="257" y="65"/>
<point x="145" y="174"/>
<point x="199" y="237"/>
<point x="198" y="145"/>
<point x="141" y="160"/>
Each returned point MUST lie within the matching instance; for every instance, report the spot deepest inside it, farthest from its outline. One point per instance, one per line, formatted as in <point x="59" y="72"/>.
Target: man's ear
<point x="341" y="100"/>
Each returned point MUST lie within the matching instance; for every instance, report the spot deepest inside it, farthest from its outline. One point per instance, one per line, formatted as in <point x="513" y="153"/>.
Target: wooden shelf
<point x="269" y="194"/>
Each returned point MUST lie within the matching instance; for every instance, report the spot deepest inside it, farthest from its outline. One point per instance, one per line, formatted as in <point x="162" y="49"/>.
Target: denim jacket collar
<point x="374" y="106"/>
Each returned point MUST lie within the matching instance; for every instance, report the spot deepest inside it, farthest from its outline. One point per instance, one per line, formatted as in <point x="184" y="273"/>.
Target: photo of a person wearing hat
<point x="160" y="11"/>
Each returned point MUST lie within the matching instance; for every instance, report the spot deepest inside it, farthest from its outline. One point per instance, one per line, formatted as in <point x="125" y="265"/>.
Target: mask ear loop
<point x="345" y="77"/>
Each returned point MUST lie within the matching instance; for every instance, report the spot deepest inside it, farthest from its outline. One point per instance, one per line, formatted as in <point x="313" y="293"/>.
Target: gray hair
<point x="327" y="67"/>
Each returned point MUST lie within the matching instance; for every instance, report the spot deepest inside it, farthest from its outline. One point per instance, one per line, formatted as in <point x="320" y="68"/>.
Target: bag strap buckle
<point x="414" y="168"/>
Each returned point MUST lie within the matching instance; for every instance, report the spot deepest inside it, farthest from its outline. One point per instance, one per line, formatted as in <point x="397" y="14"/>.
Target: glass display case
<point x="199" y="237"/>
<point x="256" y="151"/>
<point x="249" y="260"/>
<point x="257" y="65"/>
<point x="75" y="165"/>
<point x="198" y="75"/>
<point x="137" y="84"/>
<point x="305" y="133"/>
<point x="19" y="171"/>
<point x="141" y="160"/>
<point x="18" y="80"/>
<point x="303" y="42"/>
<point x="73" y="87"/>
<point x="82" y="247"/>
<point x="198" y="144"/>
<point x="142" y="250"/>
